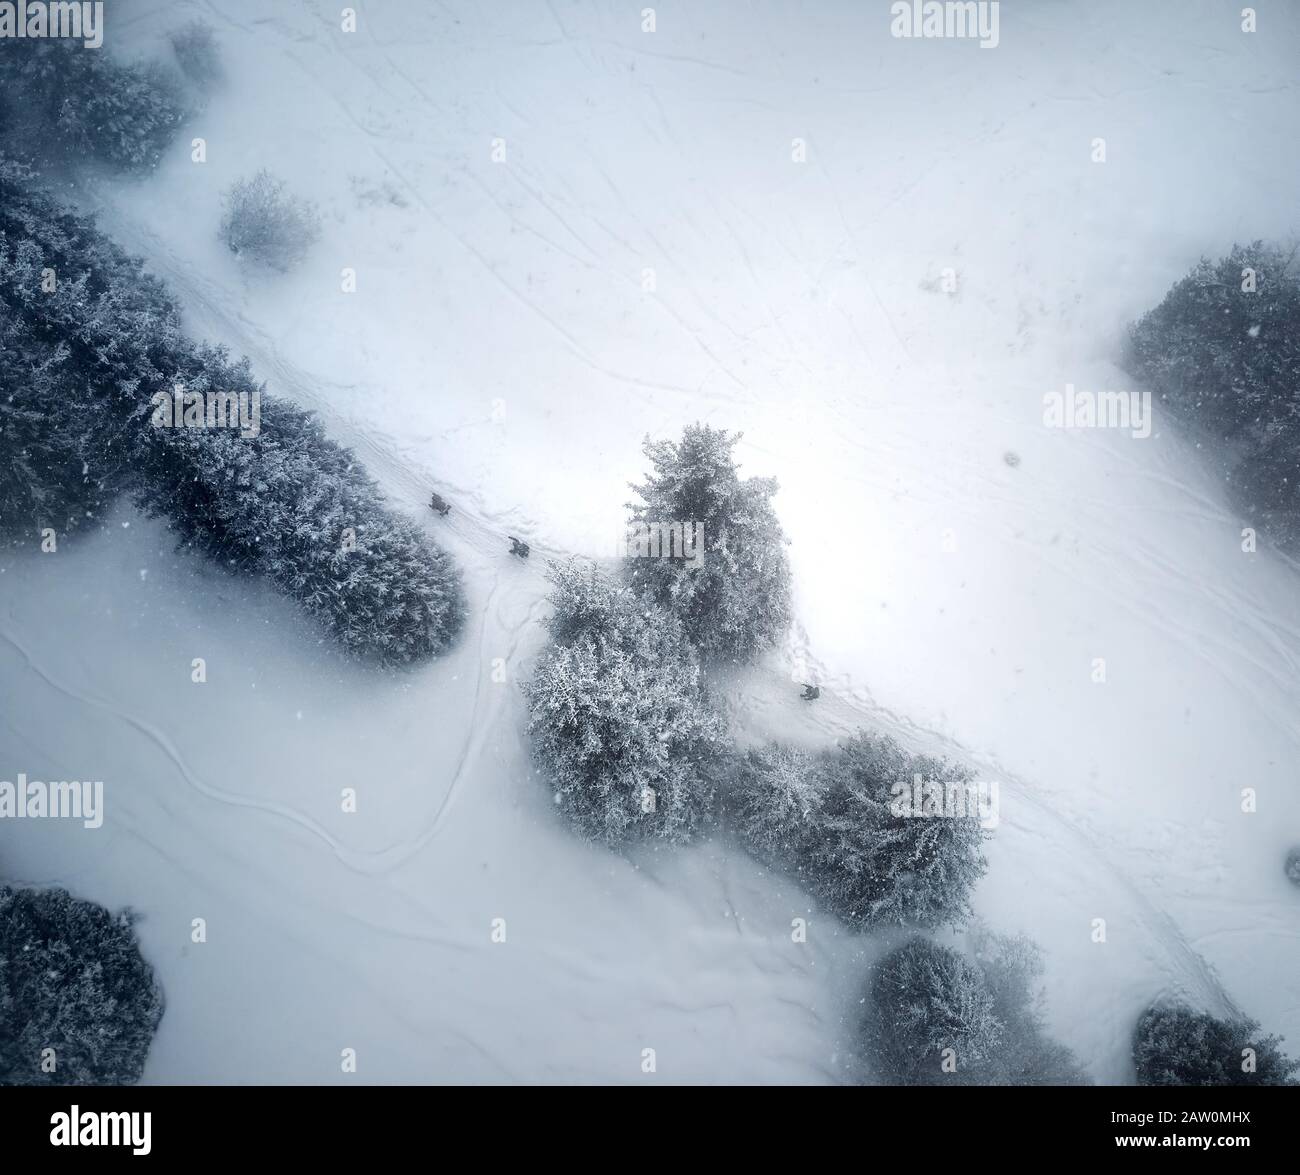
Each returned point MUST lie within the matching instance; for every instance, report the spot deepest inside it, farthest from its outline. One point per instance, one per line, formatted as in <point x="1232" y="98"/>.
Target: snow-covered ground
<point x="648" y="253"/>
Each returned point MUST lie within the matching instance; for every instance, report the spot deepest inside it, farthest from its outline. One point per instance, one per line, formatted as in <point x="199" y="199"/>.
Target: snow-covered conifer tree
<point x="78" y="1003"/>
<point x="733" y="595"/>
<point x="620" y="723"/>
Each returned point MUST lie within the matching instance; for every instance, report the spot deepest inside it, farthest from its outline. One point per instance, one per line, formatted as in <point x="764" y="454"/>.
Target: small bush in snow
<point x="72" y="980"/>
<point x="1293" y="865"/>
<point x="196" y="51"/>
<point x="1174" y="1045"/>
<point x="733" y="598"/>
<point x="830" y="819"/>
<point x="267" y="224"/>
<point x="620" y="723"/>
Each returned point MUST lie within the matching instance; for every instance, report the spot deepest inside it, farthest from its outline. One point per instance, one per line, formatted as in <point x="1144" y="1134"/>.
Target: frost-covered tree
<point x="295" y="507"/>
<point x="1262" y="473"/>
<point x="1222" y="354"/>
<point x="775" y="800"/>
<point x="620" y="723"/>
<point x="281" y="501"/>
<point x="735" y="600"/>
<point x="936" y="1016"/>
<point x="1012" y="968"/>
<point x="1175" y="1045"/>
<point x="930" y="1017"/>
<point x="833" y="819"/>
<point x="268" y="224"/>
<point x="72" y="980"/>
<point x="60" y="102"/>
<point x="1293" y="865"/>
<point x="874" y="867"/>
<point x="59" y="464"/>
<point x="1222" y="350"/>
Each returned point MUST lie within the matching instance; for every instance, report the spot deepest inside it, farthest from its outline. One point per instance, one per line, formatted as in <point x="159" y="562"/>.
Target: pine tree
<point x="1222" y="350"/>
<point x="738" y="601"/>
<point x="776" y="800"/>
<point x="1222" y="354"/>
<point x="873" y="867"/>
<point x="1174" y="1045"/>
<point x="830" y="819"/>
<point x="286" y="503"/>
<point x="930" y="1017"/>
<point x="59" y="464"/>
<point x="72" y="980"/>
<point x="60" y="103"/>
<point x="1012" y="969"/>
<point x="620" y="723"/>
<point x="935" y="1016"/>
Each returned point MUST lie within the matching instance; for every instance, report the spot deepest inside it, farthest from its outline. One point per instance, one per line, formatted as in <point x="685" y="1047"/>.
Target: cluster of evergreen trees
<point x="1222" y="353"/>
<point x="91" y="338"/>
<point x="622" y="722"/>
<point x="79" y="1005"/>
<point x="937" y="1016"/>
<point x="624" y="728"/>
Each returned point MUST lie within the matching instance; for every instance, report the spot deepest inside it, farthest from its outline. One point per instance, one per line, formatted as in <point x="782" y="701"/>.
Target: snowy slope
<point x="503" y="348"/>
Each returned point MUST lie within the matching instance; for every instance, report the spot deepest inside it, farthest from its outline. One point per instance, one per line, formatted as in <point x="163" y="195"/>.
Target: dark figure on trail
<point x="440" y="504"/>
<point x="518" y="548"/>
<point x="811" y="692"/>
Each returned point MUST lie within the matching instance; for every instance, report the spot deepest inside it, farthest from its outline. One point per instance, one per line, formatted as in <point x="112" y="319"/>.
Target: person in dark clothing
<point x="440" y="504"/>
<point x="517" y="547"/>
<point x="811" y="692"/>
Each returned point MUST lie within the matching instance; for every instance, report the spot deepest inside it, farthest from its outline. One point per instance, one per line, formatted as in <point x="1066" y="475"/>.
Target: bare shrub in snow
<point x="1175" y="1045"/>
<point x="264" y="222"/>
<point x="195" y="46"/>
<point x="72" y="979"/>
<point x="620" y="722"/>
